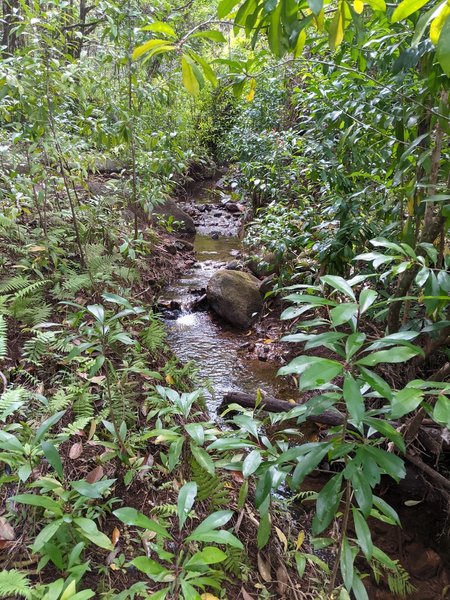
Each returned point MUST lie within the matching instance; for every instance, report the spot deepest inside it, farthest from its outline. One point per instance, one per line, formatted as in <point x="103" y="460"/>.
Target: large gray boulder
<point x="235" y="297"/>
<point x="169" y="208"/>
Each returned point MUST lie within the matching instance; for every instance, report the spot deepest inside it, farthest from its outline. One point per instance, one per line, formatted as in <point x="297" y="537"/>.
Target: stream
<point x="197" y="335"/>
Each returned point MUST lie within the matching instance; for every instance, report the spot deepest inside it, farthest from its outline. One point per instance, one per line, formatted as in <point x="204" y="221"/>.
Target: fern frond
<point x="164" y="510"/>
<point x="31" y="289"/>
<point x="40" y="314"/>
<point x="34" y="349"/>
<point x="14" y="584"/>
<point x="13" y="284"/>
<point x="3" y="338"/>
<point x="209" y="487"/>
<point x="76" y="282"/>
<point x="236" y="563"/>
<point x="153" y="337"/>
<point x="10" y="401"/>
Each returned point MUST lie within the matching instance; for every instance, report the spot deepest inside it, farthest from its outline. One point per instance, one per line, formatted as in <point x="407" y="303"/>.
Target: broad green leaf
<point x="203" y="459"/>
<point x="196" y="431"/>
<point x="217" y="536"/>
<point x="441" y="411"/>
<point x="186" y="498"/>
<point x="386" y="510"/>
<point x="359" y="589"/>
<point x="251" y="463"/>
<point x="407" y="8"/>
<point x="363" y="533"/>
<point x="189" y="78"/>
<point x="390" y="463"/>
<point x="443" y="48"/>
<point x="366" y="298"/>
<point x="353" y="398"/>
<point x="207" y="69"/>
<point x="97" y="311"/>
<point x="362" y="491"/>
<point x="48" y="424"/>
<point x="387" y="430"/>
<point x="211" y="34"/>
<point x="225" y="7"/>
<point x="92" y="490"/>
<point x="353" y="343"/>
<point x="90" y="530"/>
<point x="315" y="6"/>
<point x="42" y="501"/>
<point x="214" y="521"/>
<point x="10" y="442"/>
<point x="52" y="455"/>
<point x="264" y="529"/>
<point x="46" y="534"/>
<point x="346" y="563"/>
<point x="343" y="313"/>
<point x="150" y="567"/>
<point x="339" y="284"/>
<point x="208" y="556"/>
<point x="394" y="355"/>
<point x="131" y="516"/>
<point x="320" y="373"/>
<point x="379" y="5"/>
<point x="405" y="401"/>
<point x="377" y="383"/>
<point x="160" y="27"/>
<point x="327" y="504"/>
<point x="307" y="464"/>
<point x="425" y="20"/>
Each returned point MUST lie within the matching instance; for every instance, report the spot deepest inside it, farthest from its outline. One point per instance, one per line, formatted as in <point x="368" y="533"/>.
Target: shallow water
<point x="205" y="339"/>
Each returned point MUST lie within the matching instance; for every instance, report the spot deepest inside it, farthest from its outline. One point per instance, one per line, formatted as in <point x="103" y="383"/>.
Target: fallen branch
<point x="439" y="479"/>
<point x="328" y="417"/>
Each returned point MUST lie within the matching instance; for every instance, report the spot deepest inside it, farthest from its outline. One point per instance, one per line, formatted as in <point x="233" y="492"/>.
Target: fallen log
<point x="328" y="417"/>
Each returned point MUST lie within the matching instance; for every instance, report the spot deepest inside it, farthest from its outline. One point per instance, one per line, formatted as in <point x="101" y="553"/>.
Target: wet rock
<point x="235" y="297"/>
<point x="235" y="253"/>
<point x="232" y="207"/>
<point x="234" y="265"/>
<point x="184" y="245"/>
<point x="267" y="284"/>
<point x="201" y="208"/>
<point x="171" y="248"/>
<point x="169" y="208"/>
<point x="215" y="235"/>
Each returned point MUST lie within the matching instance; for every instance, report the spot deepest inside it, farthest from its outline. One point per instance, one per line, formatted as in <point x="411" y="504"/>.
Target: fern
<point x="3" y="338"/>
<point x="34" y="349"/>
<point x="399" y="582"/>
<point x="31" y="289"/>
<point x="153" y="337"/>
<point x="236" y="563"/>
<point x="164" y="510"/>
<point x="210" y="487"/>
<point x="14" y="284"/>
<point x="13" y="583"/>
<point x="77" y="426"/>
<point x="83" y="405"/>
<point x="60" y="401"/>
<point x="76" y="282"/>
<point x="10" y="401"/>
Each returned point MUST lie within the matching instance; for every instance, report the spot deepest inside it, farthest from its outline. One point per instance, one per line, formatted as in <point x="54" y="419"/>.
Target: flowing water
<point x="202" y="337"/>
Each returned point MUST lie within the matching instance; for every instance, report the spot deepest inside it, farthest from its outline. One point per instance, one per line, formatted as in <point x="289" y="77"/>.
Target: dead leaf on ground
<point x="282" y="538"/>
<point x="300" y="540"/>
<point x="6" y="531"/>
<point x="264" y="568"/>
<point x="282" y="580"/>
<point x="94" y="475"/>
<point x="115" y="536"/>
<point x="76" y="450"/>
<point x="246" y="595"/>
<point x="207" y="596"/>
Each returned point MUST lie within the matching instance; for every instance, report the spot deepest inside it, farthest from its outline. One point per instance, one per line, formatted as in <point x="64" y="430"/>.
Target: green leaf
<point x="386" y="510"/>
<point x="264" y="529"/>
<point x="214" y="521"/>
<point x="327" y="504"/>
<point x="315" y="6"/>
<point x="394" y="355"/>
<point x="307" y="464"/>
<point x="225" y="7"/>
<point x="190" y="81"/>
<point x="47" y="424"/>
<point x="387" y="430"/>
<point x="97" y="311"/>
<point x="346" y="563"/>
<point x="218" y="537"/>
<point x="208" y="556"/>
<point x="207" y="69"/>
<point x="92" y="490"/>
<point x="441" y="411"/>
<point x="251" y="463"/>
<point x="443" y="48"/>
<point x="405" y="401"/>
<point x="363" y="533"/>
<point x="407" y="8"/>
<point x="353" y="398"/>
<point x="343" y="313"/>
<point x="131" y="516"/>
<point x="353" y="344"/>
<point x="390" y="463"/>
<point x="42" y="501"/>
<point x="196" y="431"/>
<point x="338" y="283"/>
<point x="376" y="383"/>
<point x="186" y="498"/>
<point x="379" y="5"/>
<point x="359" y="589"/>
<point x="91" y="532"/>
<point x="52" y="455"/>
<point x="150" y="567"/>
<point x="320" y="373"/>
<point x="363" y="491"/>
<point x="300" y="561"/>
<point x="203" y="459"/>
<point x="211" y="34"/>
<point x="160" y="27"/>
<point x="366" y="298"/>
<point x="46" y="534"/>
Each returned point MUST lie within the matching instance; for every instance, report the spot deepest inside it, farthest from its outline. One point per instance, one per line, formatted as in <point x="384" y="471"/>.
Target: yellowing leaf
<point x="301" y="42"/>
<point x="264" y="569"/>
<point x="189" y="79"/>
<point x="438" y="23"/>
<point x="300" y="540"/>
<point x="292" y="401"/>
<point x="207" y="596"/>
<point x="38" y="248"/>
<point x="358" y="6"/>
<point x="337" y="28"/>
<point x="319" y="20"/>
<point x="282" y="538"/>
<point x="410" y="206"/>
<point x="169" y="379"/>
<point x="407" y="8"/>
<point x="150" y="45"/>
<point x="70" y="591"/>
<point x="251" y="93"/>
